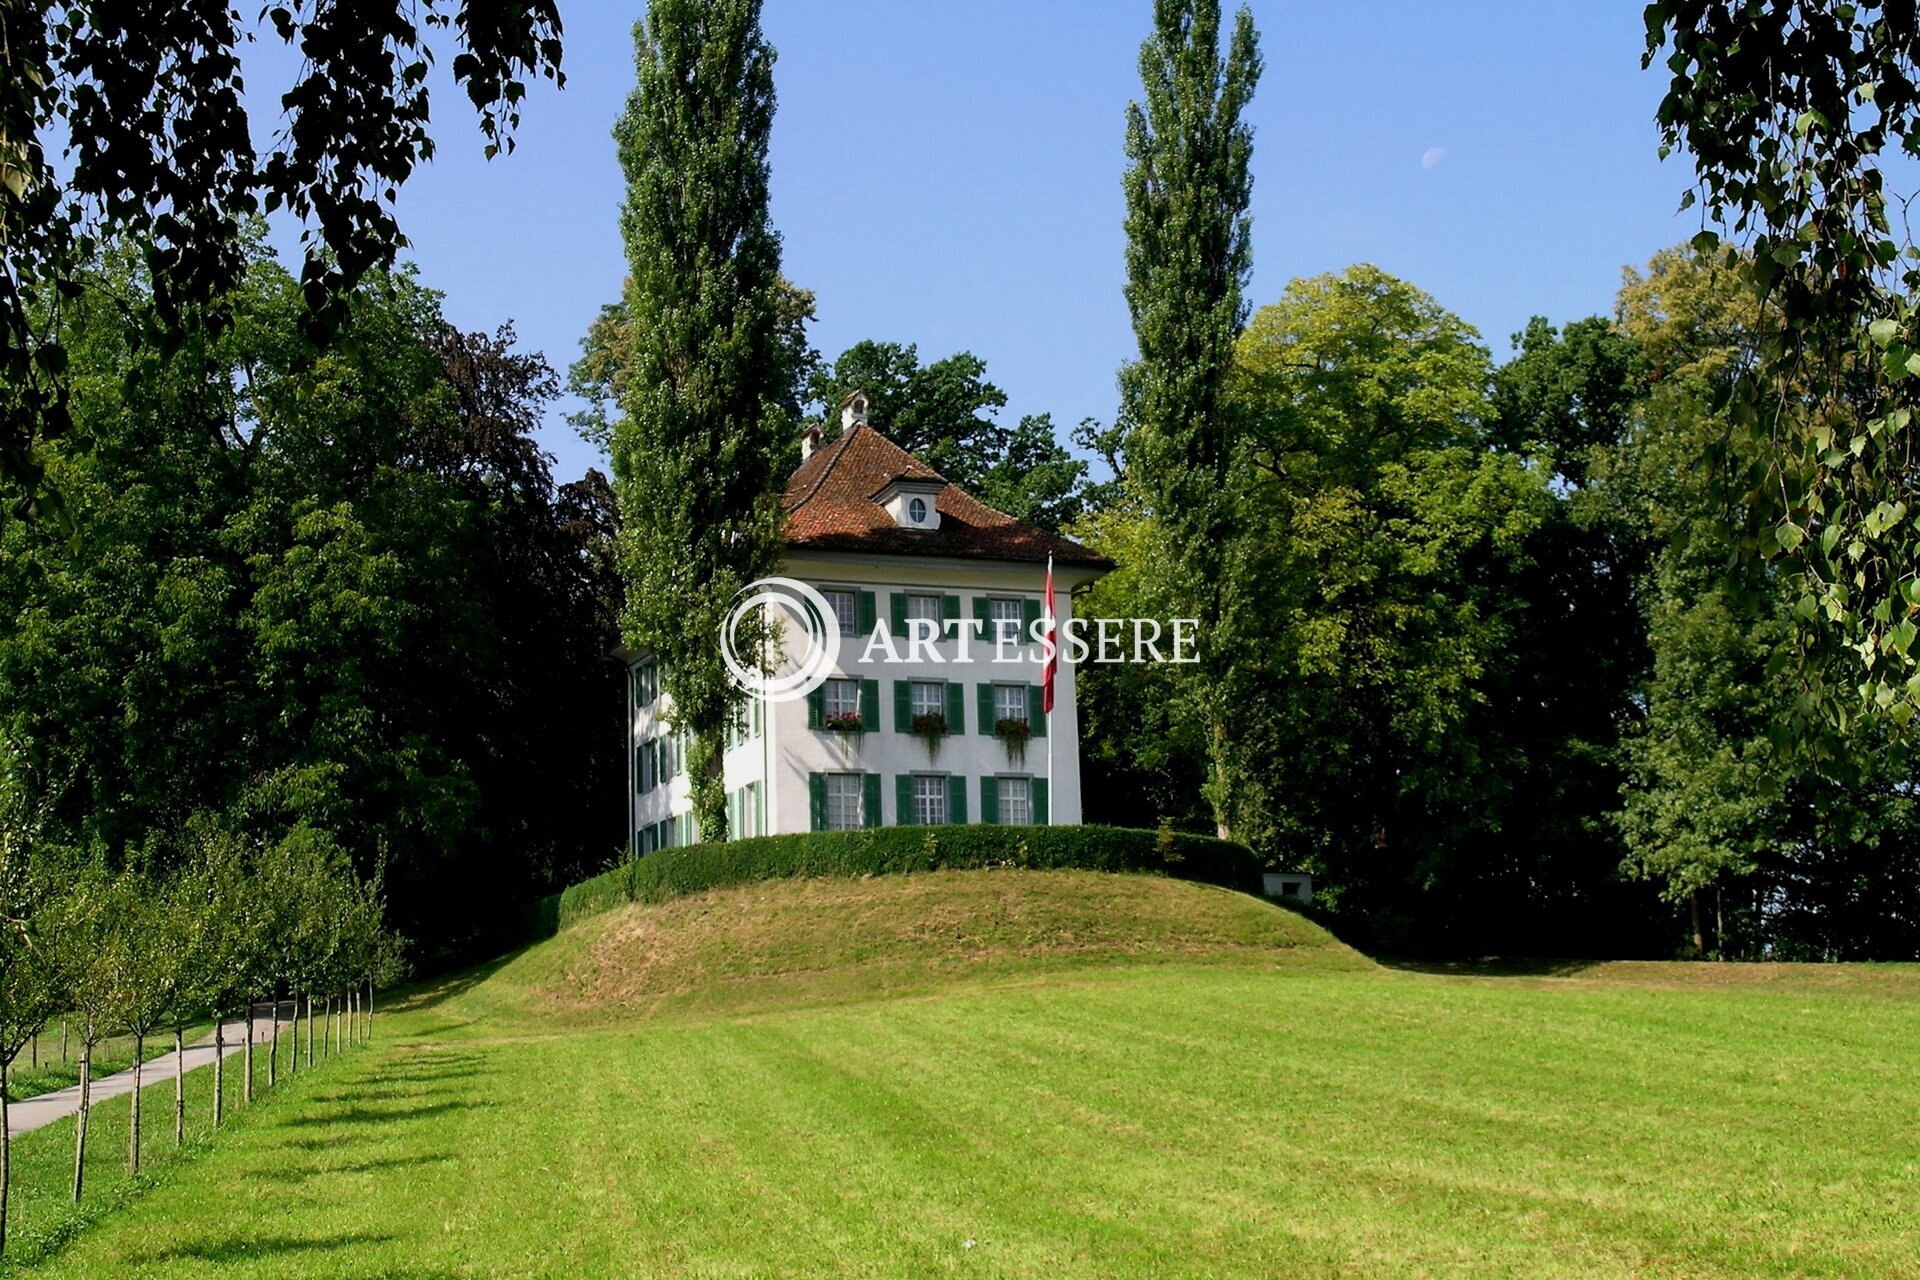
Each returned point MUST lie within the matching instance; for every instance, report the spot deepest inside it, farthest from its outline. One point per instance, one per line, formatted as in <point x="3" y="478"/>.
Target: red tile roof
<point x="830" y="506"/>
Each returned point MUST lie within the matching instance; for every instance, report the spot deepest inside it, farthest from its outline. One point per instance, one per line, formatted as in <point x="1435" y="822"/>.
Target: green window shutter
<point x="983" y="614"/>
<point x="897" y="604"/>
<point x="989" y="799"/>
<point x="903" y="706"/>
<point x="759" y="716"/>
<point x="1038" y="790"/>
<point x="870" y="806"/>
<point x="868" y="613"/>
<point x="870" y="705"/>
<point x="1036" y="717"/>
<point x="957" y="799"/>
<point x="817" y="708"/>
<point x="956" y="707"/>
<point x="760" y="808"/>
<point x="949" y="611"/>
<point x="903" y="800"/>
<point x="817" y="800"/>
<point x="639" y="769"/>
<point x="1029" y="614"/>
<point x="986" y="708"/>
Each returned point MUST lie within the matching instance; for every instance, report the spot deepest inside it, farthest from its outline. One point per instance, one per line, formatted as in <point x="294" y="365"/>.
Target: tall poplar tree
<point x="1189" y="252"/>
<point x="704" y="414"/>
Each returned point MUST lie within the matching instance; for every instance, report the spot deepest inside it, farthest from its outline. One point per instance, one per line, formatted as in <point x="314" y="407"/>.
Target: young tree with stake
<point x="29" y="994"/>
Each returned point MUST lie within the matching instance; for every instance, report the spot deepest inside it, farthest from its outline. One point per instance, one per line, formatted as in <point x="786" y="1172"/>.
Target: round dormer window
<point x="917" y="510"/>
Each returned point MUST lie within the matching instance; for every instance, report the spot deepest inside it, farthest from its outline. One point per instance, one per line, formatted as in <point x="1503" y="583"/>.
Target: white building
<point x="938" y="739"/>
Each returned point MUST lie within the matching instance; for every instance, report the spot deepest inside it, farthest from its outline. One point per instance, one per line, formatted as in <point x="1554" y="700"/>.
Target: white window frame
<point x="1016" y="801"/>
<point x="835" y="694"/>
<point x="1016" y="613"/>
<point x="845" y="604"/>
<point x="921" y="605"/>
<point x="846" y="801"/>
<point x="930" y="791"/>
<point x="1023" y="704"/>
<point x="934" y="703"/>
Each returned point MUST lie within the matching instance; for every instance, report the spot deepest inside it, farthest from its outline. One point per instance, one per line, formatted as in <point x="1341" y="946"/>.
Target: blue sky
<point x="948" y="173"/>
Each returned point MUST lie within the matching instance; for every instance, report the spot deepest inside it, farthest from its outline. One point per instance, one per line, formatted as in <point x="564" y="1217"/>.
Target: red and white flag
<point x="1052" y="649"/>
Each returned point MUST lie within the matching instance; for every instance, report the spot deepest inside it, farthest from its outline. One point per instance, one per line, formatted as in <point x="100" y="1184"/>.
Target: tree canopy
<point x="99" y="78"/>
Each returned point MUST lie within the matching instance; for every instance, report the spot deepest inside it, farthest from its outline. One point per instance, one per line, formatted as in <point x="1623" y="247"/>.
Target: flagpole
<point x="1053" y="633"/>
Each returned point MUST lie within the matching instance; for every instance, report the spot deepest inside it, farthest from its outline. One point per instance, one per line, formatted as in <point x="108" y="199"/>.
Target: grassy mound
<point x="674" y="873"/>
<point x="769" y="943"/>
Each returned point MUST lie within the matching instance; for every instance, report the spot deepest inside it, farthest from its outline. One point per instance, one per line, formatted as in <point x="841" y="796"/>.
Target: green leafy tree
<point x="1188" y="185"/>
<point x="1388" y="537"/>
<point x="335" y="587"/>
<point x="1567" y="392"/>
<point x="1542" y="874"/>
<point x="79" y="935"/>
<point x="704" y="420"/>
<point x="30" y="991"/>
<point x="1772" y="841"/>
<point x="149" y="99"/>
<point x="1789" y="112"/>
<point x="944" y="413"/>
<point x="143" y="952"/>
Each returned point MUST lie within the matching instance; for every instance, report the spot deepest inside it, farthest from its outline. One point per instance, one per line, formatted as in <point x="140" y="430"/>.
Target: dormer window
<point x="913" y="504"/>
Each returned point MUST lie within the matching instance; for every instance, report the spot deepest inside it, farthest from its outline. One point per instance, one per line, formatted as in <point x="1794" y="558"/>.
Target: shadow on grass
<point x="293" y="1177"/>
<point x="242" y="1248"/>
<point x="363" y="1115"/>
<point x="1493" y="967"/>
<point x="428" y="992"/>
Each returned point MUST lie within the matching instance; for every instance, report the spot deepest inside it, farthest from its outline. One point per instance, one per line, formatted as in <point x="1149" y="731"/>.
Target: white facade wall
<point x="780" y="760"/>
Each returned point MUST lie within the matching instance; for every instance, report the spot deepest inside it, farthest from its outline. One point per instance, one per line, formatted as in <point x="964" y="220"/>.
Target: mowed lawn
<point x="1016" y="1074"/>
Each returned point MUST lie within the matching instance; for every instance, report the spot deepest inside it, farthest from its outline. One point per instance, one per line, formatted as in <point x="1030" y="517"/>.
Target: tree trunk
<point x="246" y="1053"/>
<point x="80" y="1122"/>
<point x="133" y="1137"/>
<point x="273" y="1059"/>
<point x="309" y="1029"/>
<point x="369" y="1008"/>
<point x="1699" y="928"/>
<point x="6" y="1165"/>
<point x="219" y="1069"/>
<point x="6" y="1168"/>
<point x="63" y="1042"/>
<point x="179" y="1087"/>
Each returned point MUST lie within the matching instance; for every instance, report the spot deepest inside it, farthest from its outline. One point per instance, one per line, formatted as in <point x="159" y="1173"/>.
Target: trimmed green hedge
<point x="673" y="873"/>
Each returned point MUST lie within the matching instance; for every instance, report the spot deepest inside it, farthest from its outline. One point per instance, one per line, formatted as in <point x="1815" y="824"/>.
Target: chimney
<point x="809" y="440"/>
<point x="853" y="410"/>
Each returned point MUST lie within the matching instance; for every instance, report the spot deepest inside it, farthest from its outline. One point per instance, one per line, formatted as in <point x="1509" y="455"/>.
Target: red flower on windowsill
<point x="845" y="722"/>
